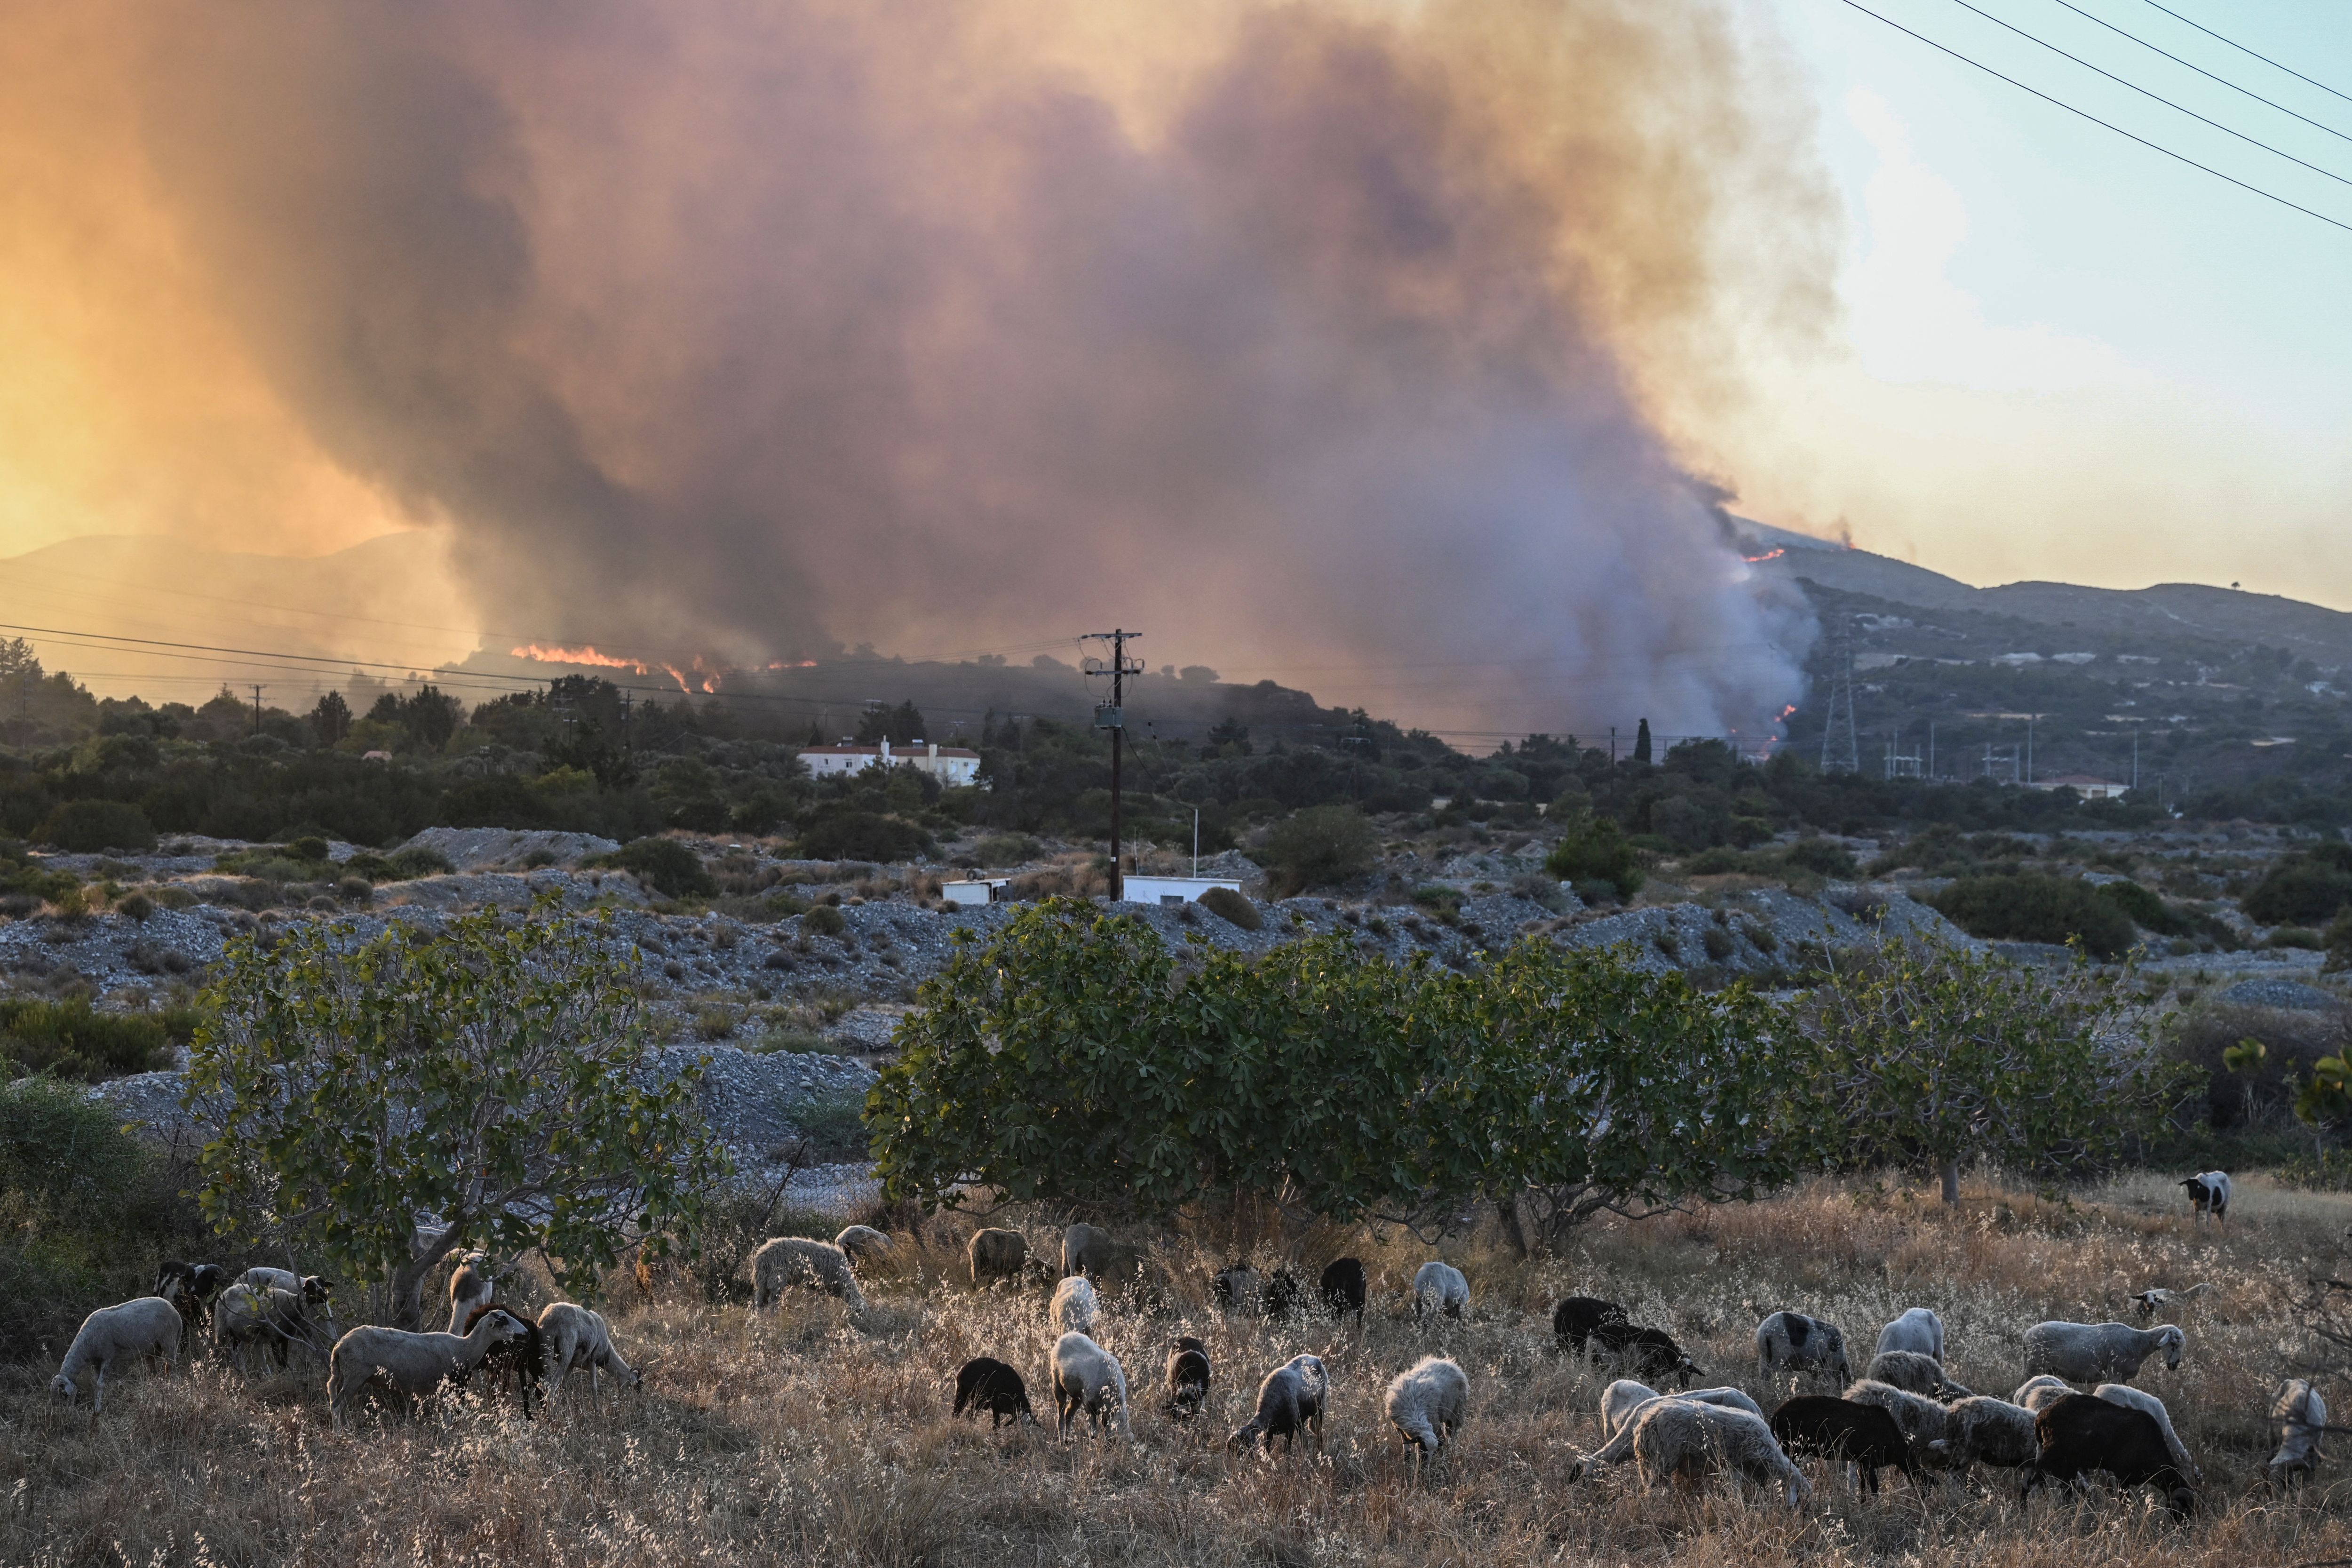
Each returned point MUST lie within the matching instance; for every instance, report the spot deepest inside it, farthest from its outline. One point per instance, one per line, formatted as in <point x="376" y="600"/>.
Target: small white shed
<point x="975" y="891"/>
<point x="1172" y="889"/>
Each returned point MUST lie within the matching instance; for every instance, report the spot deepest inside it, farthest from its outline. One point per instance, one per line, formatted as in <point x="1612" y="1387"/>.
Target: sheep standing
<point x="1839" y="1430"/>
<point x="470" y="1286"/>
<point x="574" y="1339"/>
<point x="1074" y="1307"/>
<point x="2037" y="1393"/>
<point x="2298" y="1418"/>
<point x="2079" y="1432"/>
<point x="1087" y="1378"/>
<point x="862" y="1242"/>
<point x="1620" y="1413"/>
<point x="1914" y="1374"/>
<point x="191" y="1288"/>
<point x="143" y="1326"/>
<point x="1982" y="1430"/>
<point x="2098" y="1352"/>
<point x="2208" y="1193"/>
<point x="1088" y="1249"/>
<point x="273" y="1318"/>
<point x="1187" y="1378"/>
<point x="1574" y="1320"/>
<point x="1791" y="1345"/>
<point x="412" y="1364"/>
<point x="1345" y="1289"/>
<point x="2135" y="1399"/>
<point x="1683" y="1437"/>
<point x="994" y="1254"/>
<point x="987" y="1383"/>
<point x="1427" y="1406"/>
<point x="1439" y="1288"/>
<point x="1917" y="1330"/>
<point x="1650" y="1352"/>
<point x="313" y="1288"/>
<point x="1923" y="1420"/>
<point x="786" y="1260"/>
<point x="1238" y="1288"/>
<point x="524" y="1359"/>
<point x="1289" y="1401"/>
<point x="1618" y="1401"/>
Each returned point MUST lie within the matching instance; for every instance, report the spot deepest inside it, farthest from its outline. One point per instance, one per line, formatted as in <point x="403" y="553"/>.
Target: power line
<point x="2201" y="70"/>
<point x="2086" y="115"/>
<point x="2243" y="50"/>
<point x="2145" y="93"/>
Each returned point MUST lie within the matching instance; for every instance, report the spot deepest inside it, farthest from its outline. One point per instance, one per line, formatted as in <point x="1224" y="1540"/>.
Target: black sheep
<point x="987" y="1383"/>
<point x="1187" y="1378"/>
<point x="523" y="1359"/>
<point x="1284" y="1410"/>
<point x="191" y="1288"/>
<point x="1650" y="1352"/>
<point x="1840" y="1430"/>
<point x="1573" y="1320"/>
<point x="2079" y="1432"/>
<point x="1284" y="1295"/>
<point x="1344" y="1288"/>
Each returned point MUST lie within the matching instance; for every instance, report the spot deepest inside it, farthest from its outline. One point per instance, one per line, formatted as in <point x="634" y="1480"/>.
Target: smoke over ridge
<point x="1310" y="338"/>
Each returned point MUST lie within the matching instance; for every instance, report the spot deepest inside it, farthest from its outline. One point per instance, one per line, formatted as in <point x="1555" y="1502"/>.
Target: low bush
<point x="89" y="826"/>
<point x="1321" y="846"/>
<point x="70" y="1039"/>
<point x="2035" y="907"/>
<point x="845" y="832"/>
<point x="1595" y="849"/>
<point x="1820" y="857"/>
<point x="824" y="920"/>
<point x="1233" y="908"/>
<point x="666" y="864"/>
<point x="2309" y="888"/>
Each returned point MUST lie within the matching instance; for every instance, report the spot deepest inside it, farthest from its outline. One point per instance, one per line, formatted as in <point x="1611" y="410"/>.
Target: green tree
<point x="1934" y="1054"/>
<point x="494" y="1082"/>
<point x="331" y="719"/>
<point x="1320" y="847"/>
<point x="1594" y="850"/>
<point x="1642" y="743"/>
<point x="2034" y="907"/>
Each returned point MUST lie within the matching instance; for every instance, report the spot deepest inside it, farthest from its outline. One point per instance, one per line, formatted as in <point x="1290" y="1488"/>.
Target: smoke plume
<point x="1317" y="340"/>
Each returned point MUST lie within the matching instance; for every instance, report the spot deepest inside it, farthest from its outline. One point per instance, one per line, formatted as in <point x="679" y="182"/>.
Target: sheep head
<point x="2173" y="1341"/>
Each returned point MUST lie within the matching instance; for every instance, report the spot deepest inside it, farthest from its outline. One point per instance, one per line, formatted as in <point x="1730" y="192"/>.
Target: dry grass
<point x="810" y="1435"/>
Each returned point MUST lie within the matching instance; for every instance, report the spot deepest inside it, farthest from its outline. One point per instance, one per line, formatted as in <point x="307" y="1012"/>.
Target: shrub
<point x="2303" y="889"/>
<point x="1714" y="862"/>
<point x="71" y="1040"/>
<point x="2301" y="937"/>
<point x="1820" y="857"/>
<point x="134" y="906"/>
<point x="88" y="826"/>
<point x="310" y="847"/>
<point x="2034" y="907"/>
<point x="1233" y="908"/>
<point x="843" y="832"/>
<point x="1320" y="847"/>
<point x="1005" y="849"/>
<point x="835" y="1126"/>
<point x="824" y="920"/>
<point x="666" y="864"/>
<point x="1594" y="849"/>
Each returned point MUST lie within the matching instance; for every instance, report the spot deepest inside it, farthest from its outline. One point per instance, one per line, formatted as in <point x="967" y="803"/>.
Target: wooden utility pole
<point x="1112" y="716"/>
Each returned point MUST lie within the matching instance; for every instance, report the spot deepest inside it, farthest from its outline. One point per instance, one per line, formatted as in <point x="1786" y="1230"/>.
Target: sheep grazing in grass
<point x="1863" y="1436"/>
<point x="2080" y="1434"/>
<point x="1923" y="1420"/>
<point x="786" y="1260"/>
<point x="574" y="1339"/>
<point x="275" y="1319"/>
<point x="1618" y="1401"/>
<point x="1789" y="1345"/>
<point x="2209" y="1194"/>
<point x="2298" y="1419"/>
<point x="1982" y="1430"/>
<point x="1914" y="1374"/>
<point x="1918" y="1329"/>
<point x="994" y="1254"/>
<point x="191" y="1288"/>
<point x="1647" y="1352"/>
<point x="1622" y="1404"/>
<point x="862" y="1242"/>
<point x="1439" y="1288"/>
<point x="1284" y="1296"/>
<point x="1427" y="1406"/>
<point x="1238" y="1288"/>
<point x="1290" y="1400"/>
<point x="1345" y="1288"/>
<point x="2038" y="1392"/>
<point x="144" y="1326"/>
<point x="2137" y="1399"/>
<point x="411" y="1364"/>
<point x="470" y="1286"/>
<point x="1187" y="1378"/>
<point x="1088" y="1249"/>
<point x="987" y="1383"/>
<point x="2157" y="1299"/>
<point x="1573" y="1320"/>
<point x="313" y="1288"/>
<point x="1683" y="1437"/>
<point x="2098" y="1352"/>
<point x="1087" y="1378"/>
<point x="1074" y="1307"/>
<point x="523" y="1361"/>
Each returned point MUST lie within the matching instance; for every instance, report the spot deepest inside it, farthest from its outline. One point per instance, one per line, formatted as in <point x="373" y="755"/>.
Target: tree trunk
<point x="1951" y="1183"/>
<point x="1514" y="1231"/>
<point x="408" y="1282"/>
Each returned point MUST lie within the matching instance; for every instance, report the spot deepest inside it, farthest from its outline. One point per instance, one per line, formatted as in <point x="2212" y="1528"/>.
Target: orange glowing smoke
<point x="586" y="654"/>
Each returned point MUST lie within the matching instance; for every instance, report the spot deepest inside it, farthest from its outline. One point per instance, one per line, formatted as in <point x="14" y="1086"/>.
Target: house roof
<point x="896" y="750"/>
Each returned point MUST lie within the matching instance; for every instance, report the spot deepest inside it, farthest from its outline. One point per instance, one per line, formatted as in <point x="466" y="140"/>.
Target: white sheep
<point x="787" y="1261"/>
<point x="2037" y="1393"/>
<point x="1917" y="1330"/>
<point x="2134" y="1399"/>
<point x="1914" y="1374"/>
<point x="1682" y="1436"/>
<point x="1087" y="1378"/>
<point x="1439" y="1288"/>
<point x="862" y="1242"/>
<point x="1618" y="1401"/>
<point x="273" y="1318"/>
<point x="1923" y="1421"/>
<point x="1982" y="1430"/>
<point x="572" y="1337"/>
<point x="469" y="1287"/>
<point x="2098" y="1352"/>
<point x="309" y="1286"/>
<point x="413" y="1363"/>
<point x="143" y="1326"/>
<point x="1790" y="1343"/>
<point x="1619" y="1415"/>
<point x="1075" y="1307"/>
<point x="1427" y="1406"/>
<point x="2298" y="1419"/>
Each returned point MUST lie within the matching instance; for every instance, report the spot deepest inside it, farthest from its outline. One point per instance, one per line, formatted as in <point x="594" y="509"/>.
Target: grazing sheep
<point x="1086" y="1250"/>
<point x="313" y="1289"/>
<point x="1790" y="1344"/>
<point x="1618" y="1416"/>
<point x="1427" y="1406"/>
<point x="2298" y="1418"/>
<point x="2157" y="1299"/>
<point x="273" y="1318"/>
<point x="143" y="1326"/>
<point x="1923" y="1420"/>
<point x="2208" y="1193"/>
<point x="1074" y="1307"/>
<point x="191" y="1286"/>
<point x="1285" y="1293"/>
<point x="1238" y="1288"/>
<point x="470" y="1286"/>
<point x="995" y="1254"/>
<point x="1839" y="1430"/>
<point x="862" y="1242"/>
<point x="2135" y="1399"/>
<point x="1087" y="1378"/>
<point x="1573" y="1320"/>
<point x="1982" y="1430"/>
<point x="2037" y="1393"/>
<point x="987" y="1383"/>
<point x="1289" y="1401"/>
<point x="2098" y="1352"/>
<point x="412" y="1364"/>
<point x="573" y="1339"/>
<point x="2079" y="1432"/>
<point x="1618" y="1401"/>
<point x="523" y="1360"/>
<point x="1649" y="1353"/>
<point x="785" y="1261"/>
<point x="1345" y="1289"/>
<point x="1439" y="1288"/>
<point x="1914" y="1374"/>
<point x="1683" y="1437"/>
<point x="1187" y="1378"/>
<point x="1918" y="1329"/>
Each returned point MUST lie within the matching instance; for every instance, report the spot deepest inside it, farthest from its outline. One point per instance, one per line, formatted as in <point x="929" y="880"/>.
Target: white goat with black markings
<point x="1790" y="1344"/>
<point x="143" y="1326"/>
<point x="2209" y="1194"/>
<point x="2098" y="1352"/>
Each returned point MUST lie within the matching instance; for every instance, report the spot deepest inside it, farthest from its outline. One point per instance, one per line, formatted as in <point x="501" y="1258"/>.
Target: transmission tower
<point x="1840" y="750"/>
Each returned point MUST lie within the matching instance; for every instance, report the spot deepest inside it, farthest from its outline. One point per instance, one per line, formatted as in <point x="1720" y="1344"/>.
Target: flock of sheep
<point x="1904" y="1411"/>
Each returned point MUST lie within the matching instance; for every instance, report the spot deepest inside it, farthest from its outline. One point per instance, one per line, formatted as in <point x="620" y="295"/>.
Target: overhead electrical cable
<point x="2086" y="115"/>
<point x="2243" y="50"/>
<point x="2201" y="70"/>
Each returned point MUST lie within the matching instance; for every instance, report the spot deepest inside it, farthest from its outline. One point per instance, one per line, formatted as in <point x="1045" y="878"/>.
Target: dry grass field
<point x="813" y="1435"/>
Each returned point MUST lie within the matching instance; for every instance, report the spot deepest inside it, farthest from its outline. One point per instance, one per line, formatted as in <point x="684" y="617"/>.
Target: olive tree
<point x="399" y="1097"/>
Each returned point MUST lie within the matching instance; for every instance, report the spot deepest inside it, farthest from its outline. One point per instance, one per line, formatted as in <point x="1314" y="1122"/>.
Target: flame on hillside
<point x="1767" y="555"/>
<point x="586" y="655"/>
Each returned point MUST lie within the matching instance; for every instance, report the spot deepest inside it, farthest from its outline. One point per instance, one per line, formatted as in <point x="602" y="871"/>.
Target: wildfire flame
<point x="1767" y="555"/>
<point x="1792" y="707"/>
<point x="584" y="655"/>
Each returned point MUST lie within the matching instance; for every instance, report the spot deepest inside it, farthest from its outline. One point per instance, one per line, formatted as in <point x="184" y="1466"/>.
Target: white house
<point x="1171" y="890"/>
<point x="948" y="764"/>
<point x="2083" y="784"/>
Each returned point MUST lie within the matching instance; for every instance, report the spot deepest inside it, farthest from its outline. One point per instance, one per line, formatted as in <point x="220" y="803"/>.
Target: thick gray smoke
<point x="755" y="327"/>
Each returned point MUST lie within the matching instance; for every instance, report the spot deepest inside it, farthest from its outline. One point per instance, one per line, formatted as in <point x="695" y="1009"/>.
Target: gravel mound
<point x="505" y="849"/>
<point x="2288" y="994"/>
